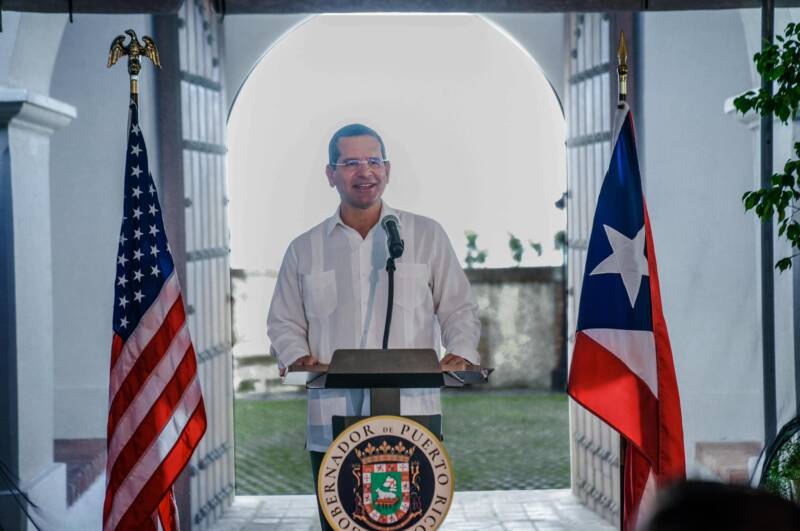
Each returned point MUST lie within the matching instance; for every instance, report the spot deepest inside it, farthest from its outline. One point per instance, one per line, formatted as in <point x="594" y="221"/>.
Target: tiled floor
<point x="550" y="510"/>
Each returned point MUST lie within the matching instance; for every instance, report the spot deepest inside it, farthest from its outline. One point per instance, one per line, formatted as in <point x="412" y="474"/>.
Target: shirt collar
<point x="336" y="218"/>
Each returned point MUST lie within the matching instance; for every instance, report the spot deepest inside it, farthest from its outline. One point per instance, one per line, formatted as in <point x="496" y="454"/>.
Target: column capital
<point x="31" y="110"/>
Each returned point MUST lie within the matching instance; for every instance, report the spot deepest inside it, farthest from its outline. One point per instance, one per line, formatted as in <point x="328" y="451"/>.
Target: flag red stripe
<point x="160" y="414"/>
<point x="153" y="457"/>
<point x="149" y="394"/>
<point x="148" y="325"/>
<point x="146" y="362"/>
<point x="637" y="469"/>
<point x="671" y="460"/>
<point x="116" y="348"/>
<point x="161" y="481"/>
<point x="166" y="513"/>
<point x="604" y="385"/>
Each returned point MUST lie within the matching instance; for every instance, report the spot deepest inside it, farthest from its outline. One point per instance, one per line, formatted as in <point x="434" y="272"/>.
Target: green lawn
<point x="497" y="440"/>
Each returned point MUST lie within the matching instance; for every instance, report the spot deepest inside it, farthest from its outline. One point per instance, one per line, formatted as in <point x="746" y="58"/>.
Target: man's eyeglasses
<point x="373" y="163"/>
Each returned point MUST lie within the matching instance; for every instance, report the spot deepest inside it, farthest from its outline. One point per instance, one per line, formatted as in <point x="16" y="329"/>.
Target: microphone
<point x="396" y="245"/>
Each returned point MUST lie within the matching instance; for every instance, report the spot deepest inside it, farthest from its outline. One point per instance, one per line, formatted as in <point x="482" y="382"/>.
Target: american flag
<point x="622" y="368"/>
<point x="156" y="415"/>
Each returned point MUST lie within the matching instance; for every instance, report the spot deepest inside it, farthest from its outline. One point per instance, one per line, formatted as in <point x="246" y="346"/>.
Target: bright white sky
<point x="471" y="125"/>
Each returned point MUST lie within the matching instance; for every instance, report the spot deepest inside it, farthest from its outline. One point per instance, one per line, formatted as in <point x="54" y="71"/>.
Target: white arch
<point x="488" y="155"/>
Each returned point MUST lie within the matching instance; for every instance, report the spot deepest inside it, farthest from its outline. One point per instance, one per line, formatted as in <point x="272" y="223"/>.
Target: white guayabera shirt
<point x="331" y="294"/>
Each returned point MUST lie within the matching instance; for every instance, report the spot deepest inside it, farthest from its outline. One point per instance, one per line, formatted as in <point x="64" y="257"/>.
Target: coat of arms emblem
<point x="388" y="481"/>
<point x="385" y="473"/>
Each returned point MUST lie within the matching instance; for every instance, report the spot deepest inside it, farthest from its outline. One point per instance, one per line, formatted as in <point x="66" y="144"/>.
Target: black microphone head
<point x="389" y="218"/>
<point x="396" y="245"/>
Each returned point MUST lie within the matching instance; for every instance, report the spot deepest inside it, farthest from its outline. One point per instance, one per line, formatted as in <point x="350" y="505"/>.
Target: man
<point x="331" y="291"/>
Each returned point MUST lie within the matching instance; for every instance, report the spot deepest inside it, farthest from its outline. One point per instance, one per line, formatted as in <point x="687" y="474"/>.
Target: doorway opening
<point x="476" y="135"/>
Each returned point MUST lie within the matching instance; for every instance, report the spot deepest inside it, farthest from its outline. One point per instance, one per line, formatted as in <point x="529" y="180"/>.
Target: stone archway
<point x="483" y="32"/>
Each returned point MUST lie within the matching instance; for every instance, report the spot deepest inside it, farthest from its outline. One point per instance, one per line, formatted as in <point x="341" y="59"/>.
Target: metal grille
<point x="594" y="447"/>
<point x="207" y="249"/>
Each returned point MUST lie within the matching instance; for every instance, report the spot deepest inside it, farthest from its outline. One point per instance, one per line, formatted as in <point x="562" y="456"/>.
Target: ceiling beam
<point x="233" y="7"/>
<point x="93" y="6"/>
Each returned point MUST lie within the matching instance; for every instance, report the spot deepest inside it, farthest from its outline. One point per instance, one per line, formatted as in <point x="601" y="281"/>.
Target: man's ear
<point x="388" y="169"/>
<point x="329" y="171"/>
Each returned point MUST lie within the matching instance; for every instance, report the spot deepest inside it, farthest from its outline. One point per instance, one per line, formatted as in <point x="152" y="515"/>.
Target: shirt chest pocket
<point x="411" y="285"/>
<point x="319" y="293"/>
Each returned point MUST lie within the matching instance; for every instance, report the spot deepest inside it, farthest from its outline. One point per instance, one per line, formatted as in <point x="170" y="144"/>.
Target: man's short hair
<point x="348" y="131"/>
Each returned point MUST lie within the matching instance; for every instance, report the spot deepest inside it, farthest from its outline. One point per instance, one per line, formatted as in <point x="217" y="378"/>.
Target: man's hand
<point x="454" y="362"/>
<point x="305" y="360"/>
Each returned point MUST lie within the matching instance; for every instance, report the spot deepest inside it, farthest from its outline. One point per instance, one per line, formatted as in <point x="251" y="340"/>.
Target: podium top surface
<point x="390" y="368"/>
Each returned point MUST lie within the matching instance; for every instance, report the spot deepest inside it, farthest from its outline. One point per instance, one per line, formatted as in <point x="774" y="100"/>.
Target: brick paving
<point x="540" y="510"/>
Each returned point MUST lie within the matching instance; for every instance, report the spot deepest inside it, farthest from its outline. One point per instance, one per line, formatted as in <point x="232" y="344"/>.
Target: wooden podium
<point x="385" y="373"/>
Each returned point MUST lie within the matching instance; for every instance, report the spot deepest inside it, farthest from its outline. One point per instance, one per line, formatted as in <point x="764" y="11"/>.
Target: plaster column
<point x="27" y="121"/>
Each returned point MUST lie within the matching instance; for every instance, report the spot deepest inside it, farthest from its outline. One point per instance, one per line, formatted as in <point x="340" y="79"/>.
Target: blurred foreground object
<point x="709" y="506"/>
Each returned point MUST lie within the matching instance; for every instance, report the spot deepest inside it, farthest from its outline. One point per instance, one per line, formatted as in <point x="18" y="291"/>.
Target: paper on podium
<point x="302" y="374"/>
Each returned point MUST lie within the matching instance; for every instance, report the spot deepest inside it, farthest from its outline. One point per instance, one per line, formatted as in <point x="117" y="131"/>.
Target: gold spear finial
<point x="622" y="68"/>
<point x="133" y="50"/>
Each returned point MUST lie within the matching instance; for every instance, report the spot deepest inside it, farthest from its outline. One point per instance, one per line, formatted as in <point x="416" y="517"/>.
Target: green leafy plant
<point x="780" y="63"/>
<point x="560" y="240"/>
<point x="474" y="256"/>
<point x="536" y="246"/>
<point x="783" y="474"/>
<point x="517" y="250"/>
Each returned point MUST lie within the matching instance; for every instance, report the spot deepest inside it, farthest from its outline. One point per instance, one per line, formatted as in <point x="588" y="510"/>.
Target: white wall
<point x="784" y="138"/>
<point x="697" y="163"/>
<point x="87" y="165"/>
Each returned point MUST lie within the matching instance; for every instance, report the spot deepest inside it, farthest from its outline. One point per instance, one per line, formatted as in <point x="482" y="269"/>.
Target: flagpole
<point x="622" y="70"/>
<point x="622" y="96"/>
<point x="767" y="279"/>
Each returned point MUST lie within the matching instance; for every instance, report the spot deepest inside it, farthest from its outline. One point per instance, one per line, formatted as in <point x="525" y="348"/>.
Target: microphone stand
<point x="390" y="272"/>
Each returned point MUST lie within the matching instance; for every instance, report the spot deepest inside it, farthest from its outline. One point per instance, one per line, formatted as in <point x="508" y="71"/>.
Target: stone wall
<point x="522" y="336"/>
<point x="522" y="318"/>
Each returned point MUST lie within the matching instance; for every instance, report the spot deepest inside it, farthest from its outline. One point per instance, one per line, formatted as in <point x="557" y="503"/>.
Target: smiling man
<point x="332" y="288"/>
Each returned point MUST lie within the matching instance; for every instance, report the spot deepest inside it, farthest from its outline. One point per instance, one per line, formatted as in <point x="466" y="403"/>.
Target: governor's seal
<point x="385" y="473"/>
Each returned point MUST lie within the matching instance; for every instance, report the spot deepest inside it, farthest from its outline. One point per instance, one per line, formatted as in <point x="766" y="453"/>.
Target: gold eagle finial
<point x="133" y="50"/>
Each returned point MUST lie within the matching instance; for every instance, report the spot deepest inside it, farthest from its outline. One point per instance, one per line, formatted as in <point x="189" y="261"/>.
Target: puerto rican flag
<point x="622" y="369"/>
